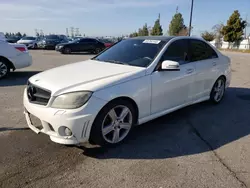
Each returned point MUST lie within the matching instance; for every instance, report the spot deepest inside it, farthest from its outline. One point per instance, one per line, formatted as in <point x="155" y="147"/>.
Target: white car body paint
<point x="155" y="93"/>
<point x="17" y="58"/>
<point x="28" y="43"/>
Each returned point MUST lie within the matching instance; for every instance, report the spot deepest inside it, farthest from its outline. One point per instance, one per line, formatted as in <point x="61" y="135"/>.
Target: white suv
<point x="12" y="57"/>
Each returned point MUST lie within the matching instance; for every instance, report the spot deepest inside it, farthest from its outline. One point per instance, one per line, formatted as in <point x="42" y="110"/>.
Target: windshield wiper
<point x="116" y="62"/>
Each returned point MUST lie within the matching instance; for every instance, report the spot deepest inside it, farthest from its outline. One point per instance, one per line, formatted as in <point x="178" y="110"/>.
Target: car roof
<point x="164" y="38"/>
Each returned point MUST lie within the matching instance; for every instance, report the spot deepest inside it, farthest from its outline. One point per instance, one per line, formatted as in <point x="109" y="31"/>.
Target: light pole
<point x="191" y="15"/>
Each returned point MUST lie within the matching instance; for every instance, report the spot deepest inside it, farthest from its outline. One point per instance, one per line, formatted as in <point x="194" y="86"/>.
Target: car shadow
<point x="2" y="129"/>
<point x="195" y="129"/>
<point x="17" y="78"/>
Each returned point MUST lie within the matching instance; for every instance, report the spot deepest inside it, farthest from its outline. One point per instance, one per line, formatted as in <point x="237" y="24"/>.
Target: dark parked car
<point x="108" y="43"/>
<point x="50" y="41"/>
<point x="81" y="45"/>
<point x="13" y="39"/>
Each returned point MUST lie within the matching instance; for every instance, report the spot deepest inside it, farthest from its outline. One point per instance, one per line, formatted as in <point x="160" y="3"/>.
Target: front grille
<point x="38" y="95"/>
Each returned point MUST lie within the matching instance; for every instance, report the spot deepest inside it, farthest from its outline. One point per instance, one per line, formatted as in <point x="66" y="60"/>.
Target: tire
<point x="218" y="90"/>
<point x="98" y="50"/>
<point x="4" y="69"/>
<point x="104" y="135"/>
<point x="66" y="51"/>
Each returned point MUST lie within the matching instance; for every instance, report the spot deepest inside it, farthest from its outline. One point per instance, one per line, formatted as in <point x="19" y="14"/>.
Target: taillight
<point x="22" y="49"/>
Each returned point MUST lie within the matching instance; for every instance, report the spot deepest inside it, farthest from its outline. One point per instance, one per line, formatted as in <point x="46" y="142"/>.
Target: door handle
<point x="214" y="63"/>
<point x="189" y="71"/>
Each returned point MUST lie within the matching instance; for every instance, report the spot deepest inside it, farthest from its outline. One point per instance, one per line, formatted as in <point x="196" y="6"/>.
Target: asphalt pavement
<point x="203" y="145"/>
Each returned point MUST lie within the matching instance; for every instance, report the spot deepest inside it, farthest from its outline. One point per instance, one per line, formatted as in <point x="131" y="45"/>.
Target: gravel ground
<point x="203" y="145"/>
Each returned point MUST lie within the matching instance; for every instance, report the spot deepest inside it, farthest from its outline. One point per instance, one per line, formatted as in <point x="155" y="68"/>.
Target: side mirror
<point x="170" y="66"/>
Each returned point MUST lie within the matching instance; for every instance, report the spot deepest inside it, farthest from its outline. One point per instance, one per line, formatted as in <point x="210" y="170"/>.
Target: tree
<point x="7" y="35"/>
<point x="145" y="30"/>
<point x="234" y="29"/>
<point x="218" y="34"/>
<point x="208" y="36"/>
<point x="140" y="32"/>
<point x="157" y="29"/>
<point x="183" y="32"/>
<point x="18" y="34"/>
<point x="176" y="25"/>
<point x="24" y="35"/>
<point x="135" y="34"/>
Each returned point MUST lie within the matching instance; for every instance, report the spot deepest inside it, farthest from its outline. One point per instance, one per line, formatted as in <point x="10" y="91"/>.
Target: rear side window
<point x="177" y="51"/>
<point x="201" y="51"/>
<point x="90" y="41"/>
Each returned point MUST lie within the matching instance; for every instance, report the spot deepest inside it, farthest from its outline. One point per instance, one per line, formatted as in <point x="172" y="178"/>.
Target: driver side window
<point x="82" y="41"/>
<point x="177" y="51"/>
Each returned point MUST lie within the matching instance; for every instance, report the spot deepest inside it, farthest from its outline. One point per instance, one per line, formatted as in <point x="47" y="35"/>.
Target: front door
<point x="173" y="88"/>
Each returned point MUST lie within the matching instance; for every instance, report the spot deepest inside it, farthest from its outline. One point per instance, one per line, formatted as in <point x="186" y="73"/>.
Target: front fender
<point x="138" y="89"/>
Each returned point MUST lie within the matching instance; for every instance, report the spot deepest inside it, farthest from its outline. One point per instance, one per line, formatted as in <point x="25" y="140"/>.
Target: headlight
<point x="71" y="100"/>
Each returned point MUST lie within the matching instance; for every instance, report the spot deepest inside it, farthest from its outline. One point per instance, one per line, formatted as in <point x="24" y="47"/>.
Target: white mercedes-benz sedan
<point x="130" y="83"/>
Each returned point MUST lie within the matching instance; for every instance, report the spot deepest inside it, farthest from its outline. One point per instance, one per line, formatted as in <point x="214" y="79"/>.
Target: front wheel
<point x="66" y="50"/>
<point x="113" y="124"/>
<point x="218" y="90"/>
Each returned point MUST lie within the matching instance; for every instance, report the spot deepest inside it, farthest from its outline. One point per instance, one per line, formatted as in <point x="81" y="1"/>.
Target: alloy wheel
<point x="98" y="50"/>
<point x="117" y="124"/>
<point x="67" y="50"/>
<point x="219" y="90"/>
<point x="3" y="69"/>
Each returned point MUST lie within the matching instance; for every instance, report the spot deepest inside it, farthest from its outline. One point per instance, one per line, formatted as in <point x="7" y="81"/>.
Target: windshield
<point x="28" y="38"/>
<point x="75" y="40"/>
<point x="134" y="52"/>
<point x="51" y="37"/>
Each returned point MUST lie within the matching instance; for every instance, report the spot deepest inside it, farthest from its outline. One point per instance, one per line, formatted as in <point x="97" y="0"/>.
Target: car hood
<point x="88" y="75"/>
<point x="25" y="41"/>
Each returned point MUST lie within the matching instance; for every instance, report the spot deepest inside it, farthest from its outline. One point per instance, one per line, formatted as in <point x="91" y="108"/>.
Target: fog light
<point x="67" y="131"/>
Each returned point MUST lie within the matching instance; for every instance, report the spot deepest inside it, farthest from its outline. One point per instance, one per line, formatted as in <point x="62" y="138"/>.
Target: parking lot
<point x="203" y="145"/>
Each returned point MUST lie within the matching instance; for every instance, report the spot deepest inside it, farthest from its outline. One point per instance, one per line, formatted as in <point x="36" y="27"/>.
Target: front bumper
<point x="59" y="49"/>
<point x="79" y="121"/>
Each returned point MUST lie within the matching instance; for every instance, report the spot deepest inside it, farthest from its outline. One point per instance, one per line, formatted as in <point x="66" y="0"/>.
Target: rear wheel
<point x="218" y="90"/>
<point x="113" y="124"/>
<point x="4" y="68"/>
<point x="98" y="50"/>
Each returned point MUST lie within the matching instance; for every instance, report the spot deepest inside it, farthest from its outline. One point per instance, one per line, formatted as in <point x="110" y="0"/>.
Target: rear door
<point x="206" y="61"/>
<point x="92" y="44"/>
<point x="82" y="45"/>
